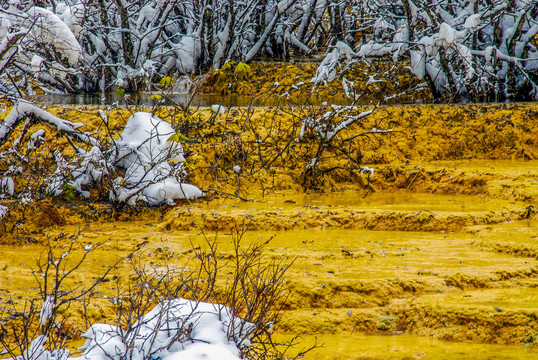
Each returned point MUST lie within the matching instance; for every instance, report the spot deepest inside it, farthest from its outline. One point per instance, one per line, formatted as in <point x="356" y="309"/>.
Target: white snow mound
<point x="173" y="330"/>
<point x="152" y="163"/>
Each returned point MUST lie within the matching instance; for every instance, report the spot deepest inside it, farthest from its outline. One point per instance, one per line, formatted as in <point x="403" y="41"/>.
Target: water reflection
<point x="202" y="100"/>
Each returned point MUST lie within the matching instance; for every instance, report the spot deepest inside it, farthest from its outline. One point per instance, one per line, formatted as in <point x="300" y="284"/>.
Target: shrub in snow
<point x="327" y="69"/>
<point x="179" y="328"/>
<point x="175" y="329"/>
<point x="150" y="320"/>
<point x="120" y="40"/>
<point x="327" y="128"/>
<point x="46" y="27"/>
<point x="147" y="153"/>
<point x="152" y="163"/>
<point x="470" y="49"/>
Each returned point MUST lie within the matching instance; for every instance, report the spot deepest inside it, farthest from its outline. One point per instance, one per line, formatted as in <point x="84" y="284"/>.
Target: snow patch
<point x="50" y="29"/>
<point x="3" y="211"/>
<point x="152" y="163"/>
<point x="7" y="185"/>
<point x="176" y="329"/>
<point x="327" y="69"/>
<point x="46" y="311"/>
<point x="219" y="109"/>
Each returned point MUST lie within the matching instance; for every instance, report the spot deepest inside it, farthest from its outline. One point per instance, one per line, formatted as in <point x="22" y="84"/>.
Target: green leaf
<point x="242" y="69"/>
<point x="177" y="137"/>
<point x="120" y="91"/>
<point x="156" y="97"/>
<point x="68" y="191"/>
<point x="228" y="64"/>
<point x="167" y="81"/>
<point x="67" y="187"/>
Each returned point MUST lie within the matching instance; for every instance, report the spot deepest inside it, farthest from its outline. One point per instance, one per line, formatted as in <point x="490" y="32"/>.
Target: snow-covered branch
<point x="450" y="46"/>
<point x="24" y="109"/>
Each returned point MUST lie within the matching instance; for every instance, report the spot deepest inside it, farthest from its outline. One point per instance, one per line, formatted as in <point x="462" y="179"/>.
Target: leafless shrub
<point x="253" y="288"/>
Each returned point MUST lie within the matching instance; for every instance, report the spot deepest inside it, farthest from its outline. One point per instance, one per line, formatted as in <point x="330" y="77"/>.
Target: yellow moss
<point x="393" y="79"/>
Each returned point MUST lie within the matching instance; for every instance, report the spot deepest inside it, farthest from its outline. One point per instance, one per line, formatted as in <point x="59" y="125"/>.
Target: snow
<point x="37" y="351"/>
<point x="3" y="211"/>
<point x="447" y="35"/>
<point x="472" y="22"/>
<point x="7" y="185"/>
<point x="465" y="53"/>
<point x="52" y="30"/>
<point x="327" y="69"/>
<point x="100" y="46"/>
<point x="36" y="63"/>
<point x="372" y="49"/>
<point x="439" y="77"/>
<point x="401" y="38"/>
<point x="23" y="108"/>
<point x="144" y="138"/>
<point x="177" y="37"/>
<point x="222" y="39"/>
<point x="219" y="109"/>
<point x="430" y="46"/>
<point x="187" y="52"/>
<point x="54" y="184"/>
<point x="200" y="351"/>
<point x="368" y="170"/>
<point x="312" y="163"/>
<point x="396" y="47"/>
<point x="177" y="329"/>
<point x="345" y="49"/>
<point x="168" y="190"/>
<point x="418" y="63"/>
<point x="35" y="138"/>
<point x="183" y="85"/>
<point x="348" y="87"/>
<point x="345" y="123"/>
<point x="104" y="341"/>
<point x="381" y="25"/>
<point x="72" y="15"/>
<point x="90" y="169"/>
<point x="46" y="311"/>
<point x="150" y="162"/>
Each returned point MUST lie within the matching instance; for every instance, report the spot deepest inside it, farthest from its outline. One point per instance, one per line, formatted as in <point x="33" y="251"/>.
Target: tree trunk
<point x="127" y="43"/>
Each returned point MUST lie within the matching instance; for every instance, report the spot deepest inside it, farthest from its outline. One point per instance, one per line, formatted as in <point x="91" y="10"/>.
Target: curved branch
<point x="24" y="109"/>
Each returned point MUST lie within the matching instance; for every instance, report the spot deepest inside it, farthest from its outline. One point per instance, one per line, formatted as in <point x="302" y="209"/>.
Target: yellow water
<point x="347" y="283"/>
<point x="363" y="346"/>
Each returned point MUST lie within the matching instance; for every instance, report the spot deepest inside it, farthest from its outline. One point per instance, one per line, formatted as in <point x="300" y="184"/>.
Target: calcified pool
<point x="364" y="292"/>
<point x="363" y="346"/>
